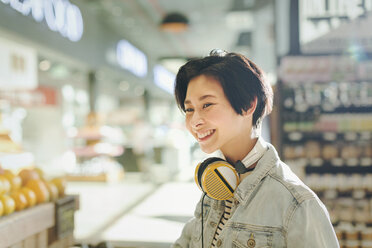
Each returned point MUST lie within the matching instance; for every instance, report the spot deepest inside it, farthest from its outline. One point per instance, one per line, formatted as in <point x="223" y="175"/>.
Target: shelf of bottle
<point x="349" y="123"/>
<point x="333" y="162"/>
<point x="345" y="166"/>
<point x="321" y="108"/>
<point x="299" y="137"/>
<point x="340" y="169"/>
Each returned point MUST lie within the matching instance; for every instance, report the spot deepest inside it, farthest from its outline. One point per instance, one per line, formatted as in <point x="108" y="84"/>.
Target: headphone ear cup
<point x="219" y="180"/>
<point x="200" y="168"/>
<point x="196" y="176"/>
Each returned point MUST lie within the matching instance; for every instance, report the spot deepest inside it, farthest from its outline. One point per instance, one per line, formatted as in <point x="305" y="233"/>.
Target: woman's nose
<point x="196" y="120"/>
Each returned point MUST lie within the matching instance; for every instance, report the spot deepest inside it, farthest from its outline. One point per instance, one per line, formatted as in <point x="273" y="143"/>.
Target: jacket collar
<point x="264" y="165"/>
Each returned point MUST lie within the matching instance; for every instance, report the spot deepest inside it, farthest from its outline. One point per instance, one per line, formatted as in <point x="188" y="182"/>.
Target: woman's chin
<point x="208" y="150"/>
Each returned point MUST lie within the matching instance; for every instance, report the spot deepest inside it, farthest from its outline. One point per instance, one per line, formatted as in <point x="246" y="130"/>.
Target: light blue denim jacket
<point x="272" y="208"/>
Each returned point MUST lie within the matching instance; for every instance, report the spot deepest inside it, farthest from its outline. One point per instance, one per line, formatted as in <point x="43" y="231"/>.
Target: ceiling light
<point x="174" y="22"/>
<point x="44" y="65"/>
<point x="124" y="86"/>
<point x="173" y="64"/>
<point x="59" y="71"/>
<point x="239" y="20"/>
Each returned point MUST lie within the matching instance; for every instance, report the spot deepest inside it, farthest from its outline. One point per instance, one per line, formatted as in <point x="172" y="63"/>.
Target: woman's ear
<point x="251" y="110"/>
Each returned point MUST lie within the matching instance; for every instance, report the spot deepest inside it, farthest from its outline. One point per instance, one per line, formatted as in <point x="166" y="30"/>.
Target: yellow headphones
<point x="217" y="178"/>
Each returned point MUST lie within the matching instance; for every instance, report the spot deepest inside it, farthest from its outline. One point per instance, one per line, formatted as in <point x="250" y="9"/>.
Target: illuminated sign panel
<point x="18" y="66"/>
<point x="164" y="78"/>
<point x="318" y="17"/>
<point x="335" y="26"/>
<point x="60" y="15"/>
<point x="131" y="58"/>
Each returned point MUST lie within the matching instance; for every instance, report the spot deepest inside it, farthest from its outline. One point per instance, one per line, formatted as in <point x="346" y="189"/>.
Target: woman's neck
<point x="240" y="149"/>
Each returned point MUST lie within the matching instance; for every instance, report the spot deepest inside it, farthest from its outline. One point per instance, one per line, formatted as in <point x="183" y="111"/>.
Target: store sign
<point x="164" y="78"/>
<point x="18" y="66"/>
<point x="60" y="15"/>
<point x="131" y="58"/>
<point x="353" y="37"/>
<point x="318" y="17"/>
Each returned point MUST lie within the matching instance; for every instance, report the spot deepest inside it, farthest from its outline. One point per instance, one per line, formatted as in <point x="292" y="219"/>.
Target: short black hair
<point x="241" y="79"/>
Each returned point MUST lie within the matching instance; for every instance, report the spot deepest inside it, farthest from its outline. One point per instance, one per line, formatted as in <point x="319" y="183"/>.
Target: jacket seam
<point x="293" y="209"/>
<point x="300" y="198"/>
<point x="243" y="195"/>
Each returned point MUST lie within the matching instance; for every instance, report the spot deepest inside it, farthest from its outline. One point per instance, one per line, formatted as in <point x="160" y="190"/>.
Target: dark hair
<point x="241" y="80"/>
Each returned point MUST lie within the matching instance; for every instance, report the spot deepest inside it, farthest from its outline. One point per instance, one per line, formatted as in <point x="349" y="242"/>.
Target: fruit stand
<point x="27" y="228"/>
<point x="34" y="211"/>
<point x="48" y="225"/>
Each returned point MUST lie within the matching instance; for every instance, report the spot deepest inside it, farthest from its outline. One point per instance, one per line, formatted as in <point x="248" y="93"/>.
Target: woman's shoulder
<point x="283" y="175"/>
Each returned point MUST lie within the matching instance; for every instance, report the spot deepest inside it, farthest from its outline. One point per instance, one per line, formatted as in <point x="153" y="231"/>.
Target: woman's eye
<point x="189" y="110"/>
<point x="207" y="105"/>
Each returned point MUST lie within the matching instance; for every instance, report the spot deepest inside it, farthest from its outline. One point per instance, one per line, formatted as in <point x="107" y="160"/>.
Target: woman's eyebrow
<point x="200" y="98"/>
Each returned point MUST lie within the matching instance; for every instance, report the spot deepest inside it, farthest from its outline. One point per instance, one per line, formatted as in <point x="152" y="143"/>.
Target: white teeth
<point x="202" y="135"/>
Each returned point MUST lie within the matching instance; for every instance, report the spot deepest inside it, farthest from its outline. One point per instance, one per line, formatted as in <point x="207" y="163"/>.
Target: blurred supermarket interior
<point x="86" y="100"/>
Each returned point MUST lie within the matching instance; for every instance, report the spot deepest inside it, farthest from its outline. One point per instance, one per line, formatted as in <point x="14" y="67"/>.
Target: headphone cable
<point x="202" y="221"/>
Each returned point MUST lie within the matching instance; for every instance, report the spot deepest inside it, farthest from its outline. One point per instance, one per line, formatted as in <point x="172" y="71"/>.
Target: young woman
<point x="261" y="202"/>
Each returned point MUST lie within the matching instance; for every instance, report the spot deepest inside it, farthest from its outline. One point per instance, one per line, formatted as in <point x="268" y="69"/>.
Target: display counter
<point x="48" y="225"/>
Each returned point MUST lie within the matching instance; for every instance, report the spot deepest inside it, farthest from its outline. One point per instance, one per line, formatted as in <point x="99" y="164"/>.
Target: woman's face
<point x="211" y="119"/>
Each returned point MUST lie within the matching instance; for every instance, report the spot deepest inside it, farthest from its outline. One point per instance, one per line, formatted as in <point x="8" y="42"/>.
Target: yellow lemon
<point x="20" y="200"/>
<point x="15" y="181"/>
<point x="53" y="190"/>
<point x="8" y="204"/>
<point x="60" y="182"/>
<point x="1" y="208"/>
<point x="6" y="184"/>
<point x="30" y="196"/>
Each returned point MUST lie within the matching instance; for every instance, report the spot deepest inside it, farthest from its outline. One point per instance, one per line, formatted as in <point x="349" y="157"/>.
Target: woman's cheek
<point x="188" y="125"/>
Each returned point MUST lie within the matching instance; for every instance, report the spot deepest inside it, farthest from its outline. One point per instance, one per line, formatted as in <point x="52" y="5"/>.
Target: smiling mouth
<point x="204" y="136"/>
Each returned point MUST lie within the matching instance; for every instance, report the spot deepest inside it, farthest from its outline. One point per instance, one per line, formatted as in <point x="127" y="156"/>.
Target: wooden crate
<point x="61" y="234"/>
<point x="27" y="228"/>
<point x="49" y="225"/>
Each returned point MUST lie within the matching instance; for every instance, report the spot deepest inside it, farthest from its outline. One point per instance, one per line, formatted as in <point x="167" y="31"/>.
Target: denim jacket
<point x="272" y="208"/>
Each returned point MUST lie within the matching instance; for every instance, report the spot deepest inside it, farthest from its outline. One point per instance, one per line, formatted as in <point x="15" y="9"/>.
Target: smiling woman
<point x="254" y="199"/>
<point x="224" y="91"/>
<point x="209" y="117"/>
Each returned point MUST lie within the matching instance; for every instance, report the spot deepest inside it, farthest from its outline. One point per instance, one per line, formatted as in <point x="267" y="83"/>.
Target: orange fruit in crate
<point x="28" y="174"/>
<point x="1" y="208"/>
<point x="20" y="200"/>
<point x="2" y="189"/>
<point x="8" y="204"/>
<point x="15" y="181"/>
<point x="30" y="196"/>
<point x="6" y="184"/>
<point x="60" y="182"/>
<point x="53" y="190"/>
<point x="40" y="189"/>
<point x="39" y="172"/>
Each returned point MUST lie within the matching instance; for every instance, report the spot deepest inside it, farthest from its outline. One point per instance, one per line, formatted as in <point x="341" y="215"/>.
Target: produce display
<point x="26" y="189"/>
